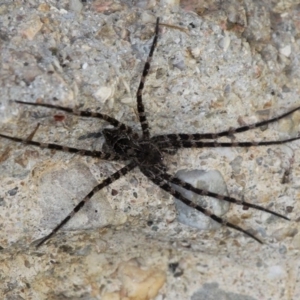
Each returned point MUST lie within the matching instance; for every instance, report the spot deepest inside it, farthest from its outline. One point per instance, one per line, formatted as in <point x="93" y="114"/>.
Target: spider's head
<point x="117" y="140"/>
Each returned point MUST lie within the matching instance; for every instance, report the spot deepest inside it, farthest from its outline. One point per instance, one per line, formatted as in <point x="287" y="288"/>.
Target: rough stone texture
<point x="209" y="181"/>
<point x="215" y="67"/>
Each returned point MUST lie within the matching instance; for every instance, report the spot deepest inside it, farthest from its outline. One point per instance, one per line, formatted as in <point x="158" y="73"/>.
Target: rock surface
<point x="215" y="67"/>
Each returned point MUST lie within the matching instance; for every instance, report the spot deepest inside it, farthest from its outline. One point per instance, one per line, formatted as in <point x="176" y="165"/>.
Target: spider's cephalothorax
<point x="143" y="152"/>
<point x="146" y="153"/>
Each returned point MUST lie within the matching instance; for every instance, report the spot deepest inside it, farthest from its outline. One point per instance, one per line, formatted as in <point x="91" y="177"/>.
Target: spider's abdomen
<point x="149" y="154"/>
<point x="143" y="152"/>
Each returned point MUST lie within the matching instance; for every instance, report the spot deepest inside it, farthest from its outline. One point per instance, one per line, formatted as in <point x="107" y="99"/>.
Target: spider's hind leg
<point x="229" y="199"/>
<point x="96" y="189"/>
<point x="155" y="177"/>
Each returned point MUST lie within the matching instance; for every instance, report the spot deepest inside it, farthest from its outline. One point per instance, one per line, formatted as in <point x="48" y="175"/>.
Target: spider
<point x="147" y="153"/>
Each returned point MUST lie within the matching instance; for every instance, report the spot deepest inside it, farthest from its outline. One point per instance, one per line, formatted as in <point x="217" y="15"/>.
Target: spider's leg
<point x="97" y="188"/>
<point x="199" y="144"/>
<point x="31" y="135"/>
<point x="83" y="113"/>
<point x="202" y="192"/>
<point x="163" y="184"/>
<point x="140" y="105"/>
<point x="230" y="132"/>
<point x="83" y="152"/>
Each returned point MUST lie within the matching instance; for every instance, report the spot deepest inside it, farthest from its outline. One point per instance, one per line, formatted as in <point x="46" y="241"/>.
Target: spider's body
<point x="130" y="147"/>
<point x="146" y="153"/>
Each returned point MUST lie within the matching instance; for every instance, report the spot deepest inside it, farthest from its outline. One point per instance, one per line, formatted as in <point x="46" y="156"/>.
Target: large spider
<point x="147" y="153"/>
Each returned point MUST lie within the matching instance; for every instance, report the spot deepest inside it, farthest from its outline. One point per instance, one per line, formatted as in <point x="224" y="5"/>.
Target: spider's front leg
<point x="82" y="113"/>
<point x="99" y="154"/>
<point x="140" y="105"/>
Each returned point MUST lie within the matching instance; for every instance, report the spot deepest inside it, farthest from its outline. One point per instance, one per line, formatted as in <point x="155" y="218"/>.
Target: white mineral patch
<point x="104" y="93"/>
<point x="211" y="181"/>
<point x="276" y="272"/>
<point x="286" y="51"/>
<point x="64" y="186"/>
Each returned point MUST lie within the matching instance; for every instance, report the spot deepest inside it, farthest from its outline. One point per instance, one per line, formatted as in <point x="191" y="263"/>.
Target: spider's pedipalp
<point x="31" y="135"/>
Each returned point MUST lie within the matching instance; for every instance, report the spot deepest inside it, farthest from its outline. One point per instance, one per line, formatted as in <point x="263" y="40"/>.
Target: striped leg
<point x="202" y="192"/>
<point x="140" y="105"/>
<point x="31" y="135"/>
<point x="198" y="136"/>
<point x="198" y="144"/>
<point x="83" y="152"/>
<point x="84" y="113"/>
<point x="163" y="184"/>
<point x="96" y="189"/>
